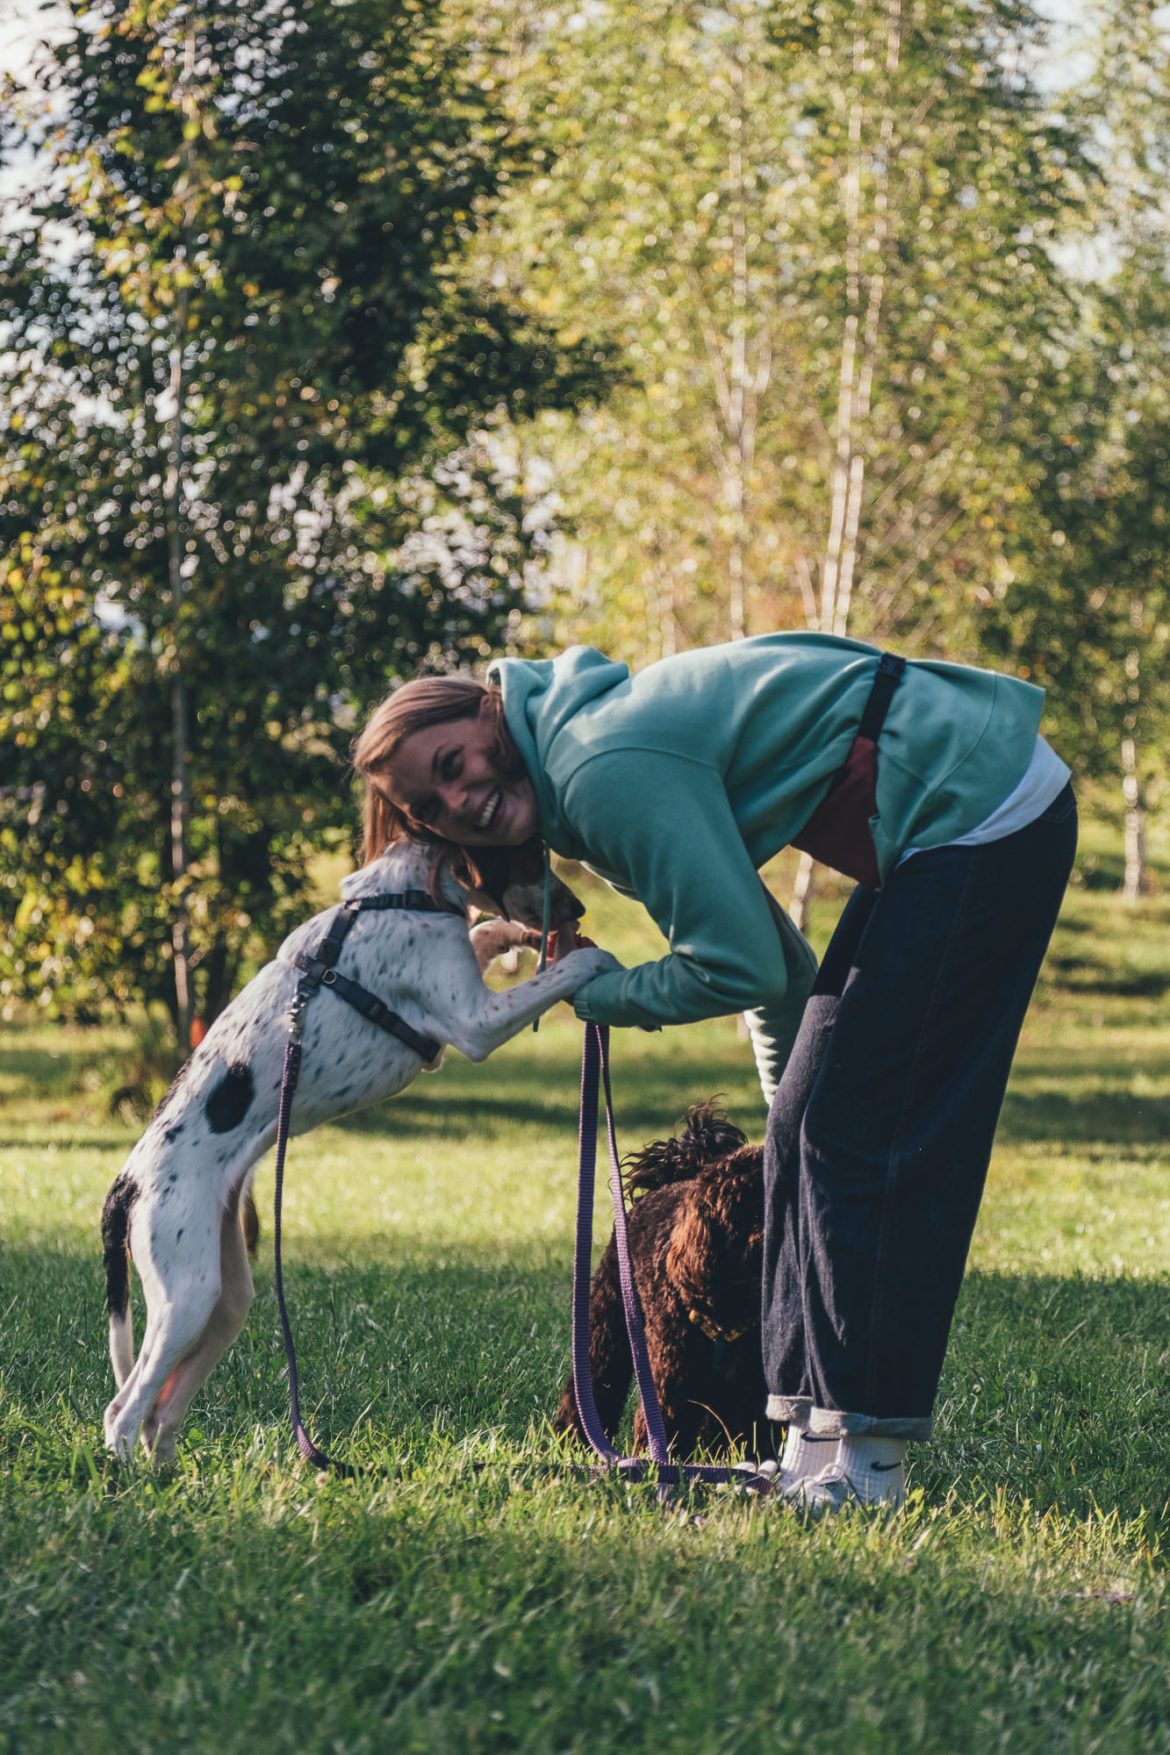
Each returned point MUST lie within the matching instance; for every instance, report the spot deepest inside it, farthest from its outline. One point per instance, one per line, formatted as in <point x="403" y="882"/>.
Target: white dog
<point x="175" y="1207"/>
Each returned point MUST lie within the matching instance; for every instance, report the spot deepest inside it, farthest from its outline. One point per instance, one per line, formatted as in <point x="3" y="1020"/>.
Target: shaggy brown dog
<point x="696" y="1241"/>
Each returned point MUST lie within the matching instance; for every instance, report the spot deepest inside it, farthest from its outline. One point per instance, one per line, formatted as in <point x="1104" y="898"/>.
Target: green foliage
<point x="251" y="447"/>
<point x="1096" y="620"/>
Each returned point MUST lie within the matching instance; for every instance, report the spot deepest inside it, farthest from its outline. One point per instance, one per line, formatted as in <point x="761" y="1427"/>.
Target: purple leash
<point x="594" y="1075"/>
<point x="319" y="970"/>
<point x="292" y="1070"/>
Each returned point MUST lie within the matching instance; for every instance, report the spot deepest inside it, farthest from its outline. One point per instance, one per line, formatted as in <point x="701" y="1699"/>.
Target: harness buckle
<point x="329" y="978"/>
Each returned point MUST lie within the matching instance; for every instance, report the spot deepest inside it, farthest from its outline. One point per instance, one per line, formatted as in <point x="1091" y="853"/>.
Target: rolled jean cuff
<point x="832" y="1423"/>
<point x="789" y="1410"/>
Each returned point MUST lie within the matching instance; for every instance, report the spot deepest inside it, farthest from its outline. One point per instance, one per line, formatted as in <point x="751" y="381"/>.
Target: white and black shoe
<point x="876" y="1486"/>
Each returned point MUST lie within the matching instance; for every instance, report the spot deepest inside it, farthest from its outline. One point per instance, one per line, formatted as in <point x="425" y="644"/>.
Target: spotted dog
<point x="175" y="1207"/>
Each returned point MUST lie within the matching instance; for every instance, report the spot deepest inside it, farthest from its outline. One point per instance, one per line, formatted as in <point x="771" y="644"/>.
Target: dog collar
<point x="725" y="1335"/>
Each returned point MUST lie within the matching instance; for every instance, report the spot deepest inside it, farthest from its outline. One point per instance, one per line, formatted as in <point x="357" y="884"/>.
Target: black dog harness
<point x="319" y="971"/>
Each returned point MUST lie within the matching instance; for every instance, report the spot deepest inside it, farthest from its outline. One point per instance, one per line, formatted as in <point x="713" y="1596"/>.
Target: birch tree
<point x="822" y="237"/>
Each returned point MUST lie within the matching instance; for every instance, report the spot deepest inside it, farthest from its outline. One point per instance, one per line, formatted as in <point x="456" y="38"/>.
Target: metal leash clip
<point x="296" y="1013"/>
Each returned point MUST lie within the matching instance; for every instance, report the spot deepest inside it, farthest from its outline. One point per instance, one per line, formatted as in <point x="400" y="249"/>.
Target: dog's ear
<point x="487" y="871"/>
<point x="692" y="1257"/>
<point x="716" y="1244"/>
<point x="481" y="872"/>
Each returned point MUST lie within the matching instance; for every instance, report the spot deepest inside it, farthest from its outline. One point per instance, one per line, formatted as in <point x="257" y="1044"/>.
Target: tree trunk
<point x="803" y="891"/>
<point x="1136" y="882"/>
<point x="867" y="241"/>
<point x="180" y="707"/>
<point x="739" y="384"/>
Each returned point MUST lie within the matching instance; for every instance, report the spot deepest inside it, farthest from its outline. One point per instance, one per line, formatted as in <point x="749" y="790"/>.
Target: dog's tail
<point x="707" y="1135"/>
<point x="116" y="1256"/>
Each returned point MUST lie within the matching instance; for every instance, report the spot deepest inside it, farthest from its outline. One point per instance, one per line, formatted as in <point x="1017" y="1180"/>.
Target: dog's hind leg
<point x="171" y="1333"/>
<point x="223" y="1326"/>
<point x="180" y="1274"/>
<point x="116" y="1256"/>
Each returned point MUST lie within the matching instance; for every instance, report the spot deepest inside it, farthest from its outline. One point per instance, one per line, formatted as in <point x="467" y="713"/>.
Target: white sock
<point x="805" y="1455"/>
<point x="874" y="1468"/>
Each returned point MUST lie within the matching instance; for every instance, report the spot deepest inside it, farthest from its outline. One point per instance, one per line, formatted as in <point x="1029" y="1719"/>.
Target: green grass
<point x="472" y="1591"/>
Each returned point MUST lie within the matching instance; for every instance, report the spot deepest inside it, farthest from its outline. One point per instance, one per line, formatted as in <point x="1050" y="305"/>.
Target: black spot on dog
<point x="179" y="1235"/>
<point x="172" y="1133"/>
<point x="231" y="1099"/>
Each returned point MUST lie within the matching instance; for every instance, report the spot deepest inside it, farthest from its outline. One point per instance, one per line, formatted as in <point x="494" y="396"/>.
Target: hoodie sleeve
<point x="662" y="827"/>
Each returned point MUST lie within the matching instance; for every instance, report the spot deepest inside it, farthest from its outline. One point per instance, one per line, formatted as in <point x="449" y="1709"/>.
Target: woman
<point x="885" y="1071"/>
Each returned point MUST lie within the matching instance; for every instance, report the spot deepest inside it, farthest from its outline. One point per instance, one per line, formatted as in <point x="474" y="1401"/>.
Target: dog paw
<point x="120" y="1434"/>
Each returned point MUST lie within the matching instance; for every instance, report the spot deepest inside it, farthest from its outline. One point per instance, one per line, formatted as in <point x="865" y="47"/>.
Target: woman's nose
<point x="452" y="795"/>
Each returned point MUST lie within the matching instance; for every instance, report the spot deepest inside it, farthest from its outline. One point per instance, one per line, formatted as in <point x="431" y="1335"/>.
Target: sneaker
<point x="883" y="1488"/>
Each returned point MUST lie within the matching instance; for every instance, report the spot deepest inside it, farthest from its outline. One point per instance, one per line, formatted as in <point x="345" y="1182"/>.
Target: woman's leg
<point x="785" y="1368"/>
<point x="879" y="1144"/>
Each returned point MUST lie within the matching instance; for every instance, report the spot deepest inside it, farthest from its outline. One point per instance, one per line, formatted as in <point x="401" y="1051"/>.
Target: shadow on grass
<point x="1055" y="1390"/>
<point x="460" y="1113"/>
<point x="650" y="1096"/>
<point x="1066" y="1120"/>
<point x="1079" y="975"/>
<point x="72" y="1141"/>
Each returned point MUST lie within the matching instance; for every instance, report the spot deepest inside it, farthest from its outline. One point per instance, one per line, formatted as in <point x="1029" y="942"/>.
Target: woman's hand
<point x="567" y="938"/>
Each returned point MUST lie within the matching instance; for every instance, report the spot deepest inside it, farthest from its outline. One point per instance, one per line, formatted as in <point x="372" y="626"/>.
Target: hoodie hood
<point x="540" y="697"/>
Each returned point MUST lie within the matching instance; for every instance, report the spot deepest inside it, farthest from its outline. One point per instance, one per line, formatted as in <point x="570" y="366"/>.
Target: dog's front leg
<point x="478" y="1021"/>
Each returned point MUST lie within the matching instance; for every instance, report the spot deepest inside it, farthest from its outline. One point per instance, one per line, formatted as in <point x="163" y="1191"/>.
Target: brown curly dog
<point x="696" y="1241"/>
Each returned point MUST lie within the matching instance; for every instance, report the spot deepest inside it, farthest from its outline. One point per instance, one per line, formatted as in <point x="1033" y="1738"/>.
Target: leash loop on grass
<point x="595" y="1079"/>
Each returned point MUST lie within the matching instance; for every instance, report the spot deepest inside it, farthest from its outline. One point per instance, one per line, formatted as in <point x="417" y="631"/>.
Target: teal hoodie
<point x="676" y="783"/>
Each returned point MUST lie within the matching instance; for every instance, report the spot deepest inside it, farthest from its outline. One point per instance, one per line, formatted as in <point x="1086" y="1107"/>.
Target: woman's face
<point x="453" y="779"/>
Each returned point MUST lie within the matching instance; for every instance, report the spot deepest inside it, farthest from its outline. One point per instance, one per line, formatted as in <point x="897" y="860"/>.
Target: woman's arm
<point x="663" y="826"/>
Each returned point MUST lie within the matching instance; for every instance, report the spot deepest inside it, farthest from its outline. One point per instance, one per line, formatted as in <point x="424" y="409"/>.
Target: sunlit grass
<point x="474" y="1589"/>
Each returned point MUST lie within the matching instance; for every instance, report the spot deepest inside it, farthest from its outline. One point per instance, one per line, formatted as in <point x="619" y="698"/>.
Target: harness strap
<point x="886" y="679"/>
<point x="318" y="970"/>
<point x="413" y="901"/>
<point x="371" y="1007"/>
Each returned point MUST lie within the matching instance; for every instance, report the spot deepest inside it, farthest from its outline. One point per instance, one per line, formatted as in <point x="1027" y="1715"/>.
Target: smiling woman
<point x="885" y="1070"/>
<point x="438" y="762"/>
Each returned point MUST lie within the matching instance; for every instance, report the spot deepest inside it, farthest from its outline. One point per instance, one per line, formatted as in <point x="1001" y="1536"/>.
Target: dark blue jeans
<point x="880" y="1133"/>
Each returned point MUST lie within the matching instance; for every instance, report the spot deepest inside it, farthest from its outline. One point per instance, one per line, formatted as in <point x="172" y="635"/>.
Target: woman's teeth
<point x="483" y="820"/>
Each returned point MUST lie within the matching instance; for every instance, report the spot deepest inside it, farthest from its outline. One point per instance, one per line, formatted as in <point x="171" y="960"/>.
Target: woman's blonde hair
<point x="428" y="700"/>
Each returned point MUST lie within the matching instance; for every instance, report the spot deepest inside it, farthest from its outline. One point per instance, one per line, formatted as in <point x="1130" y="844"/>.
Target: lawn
<point x="472" y="1591"/>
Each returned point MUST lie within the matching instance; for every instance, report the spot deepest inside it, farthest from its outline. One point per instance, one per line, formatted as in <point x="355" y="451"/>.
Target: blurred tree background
<point x="345" y="338"/>
<point x="255" y="464"/>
